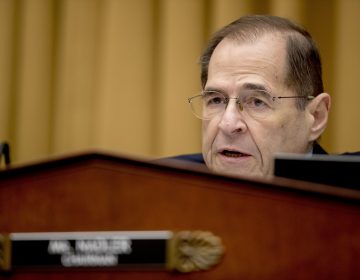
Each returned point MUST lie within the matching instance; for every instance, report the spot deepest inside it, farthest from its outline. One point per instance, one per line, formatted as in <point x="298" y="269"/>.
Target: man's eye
<point x="213" y="100"/>
<point x="255" y="102"/>
<point x="258" y="102"/>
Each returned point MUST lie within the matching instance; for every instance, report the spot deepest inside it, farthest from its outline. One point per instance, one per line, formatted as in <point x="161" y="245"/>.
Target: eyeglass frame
<point x="273" y="98"/>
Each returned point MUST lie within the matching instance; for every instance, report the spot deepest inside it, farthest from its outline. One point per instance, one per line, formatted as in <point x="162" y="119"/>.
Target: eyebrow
<point x="254" y="86"/>
<point x="261" y="88"/>
<point x="249" y="86"/>
<point x="213" y="89"/>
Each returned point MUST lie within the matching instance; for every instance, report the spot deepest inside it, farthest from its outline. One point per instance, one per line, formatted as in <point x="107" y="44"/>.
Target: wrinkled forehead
<point x="265" y="55"/>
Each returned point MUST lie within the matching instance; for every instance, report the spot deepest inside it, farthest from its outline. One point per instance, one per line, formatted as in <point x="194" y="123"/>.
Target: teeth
<point x="232" y="153"/>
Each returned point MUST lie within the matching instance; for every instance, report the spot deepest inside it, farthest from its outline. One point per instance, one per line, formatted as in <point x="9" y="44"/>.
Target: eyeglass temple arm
<point x="310" y="97"/>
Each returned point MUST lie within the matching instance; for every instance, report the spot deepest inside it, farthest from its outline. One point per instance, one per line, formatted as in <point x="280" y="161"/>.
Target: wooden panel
<point x="271" y="230"/>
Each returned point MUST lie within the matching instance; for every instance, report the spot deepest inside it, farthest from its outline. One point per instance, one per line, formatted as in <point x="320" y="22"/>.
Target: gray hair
<point x="304" y="73"/>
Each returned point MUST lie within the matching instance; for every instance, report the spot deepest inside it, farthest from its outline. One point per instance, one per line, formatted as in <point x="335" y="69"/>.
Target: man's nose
<point x="232" y="120"/>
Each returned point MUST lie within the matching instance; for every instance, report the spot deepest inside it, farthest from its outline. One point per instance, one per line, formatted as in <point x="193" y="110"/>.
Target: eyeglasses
<point x="258" y="104"/>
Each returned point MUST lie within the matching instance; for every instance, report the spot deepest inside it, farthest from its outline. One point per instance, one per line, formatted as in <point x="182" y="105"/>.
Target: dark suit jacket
<point x="317" y="149"/>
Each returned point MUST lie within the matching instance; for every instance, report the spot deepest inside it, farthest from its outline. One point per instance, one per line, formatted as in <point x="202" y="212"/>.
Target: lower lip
<point x="230" y="159"/>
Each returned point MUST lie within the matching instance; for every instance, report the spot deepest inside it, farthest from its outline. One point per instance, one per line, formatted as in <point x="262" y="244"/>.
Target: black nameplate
<point x="183" y="251"/>
<point x="89" y="250"/>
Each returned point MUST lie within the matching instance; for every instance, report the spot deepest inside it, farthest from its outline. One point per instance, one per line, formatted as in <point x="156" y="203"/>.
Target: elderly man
<point x="262" y="94"/>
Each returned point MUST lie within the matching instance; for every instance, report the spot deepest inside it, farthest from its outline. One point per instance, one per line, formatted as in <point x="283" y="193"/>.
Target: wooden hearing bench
<point x="270" y="229"/>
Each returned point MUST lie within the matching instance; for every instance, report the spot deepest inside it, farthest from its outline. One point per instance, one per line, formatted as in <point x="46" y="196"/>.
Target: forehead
<point x="262" y="60"/>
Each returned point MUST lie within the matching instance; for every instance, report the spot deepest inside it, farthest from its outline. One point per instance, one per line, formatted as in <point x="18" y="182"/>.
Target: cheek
<point x="209" y="132"/>
<point x="205" y="133"/>
<point x="289" y="132"/>
<point x="268" y="135"/>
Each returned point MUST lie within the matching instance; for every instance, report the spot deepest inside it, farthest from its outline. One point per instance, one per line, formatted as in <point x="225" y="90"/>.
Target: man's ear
<point x="319" y="109"/>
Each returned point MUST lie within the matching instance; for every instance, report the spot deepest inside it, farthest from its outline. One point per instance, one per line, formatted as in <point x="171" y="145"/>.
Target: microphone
<point x="5" y="152"/>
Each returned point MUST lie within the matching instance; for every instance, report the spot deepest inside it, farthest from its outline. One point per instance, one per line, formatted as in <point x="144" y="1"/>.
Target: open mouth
<point x="233" y="154"/>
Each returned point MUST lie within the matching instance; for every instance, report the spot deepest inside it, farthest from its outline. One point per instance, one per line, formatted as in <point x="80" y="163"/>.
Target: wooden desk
<point x="279" y="229"/>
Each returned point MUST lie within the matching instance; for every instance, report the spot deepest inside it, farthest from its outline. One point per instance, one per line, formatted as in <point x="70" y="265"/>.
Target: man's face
<point x="234" y="142"/>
